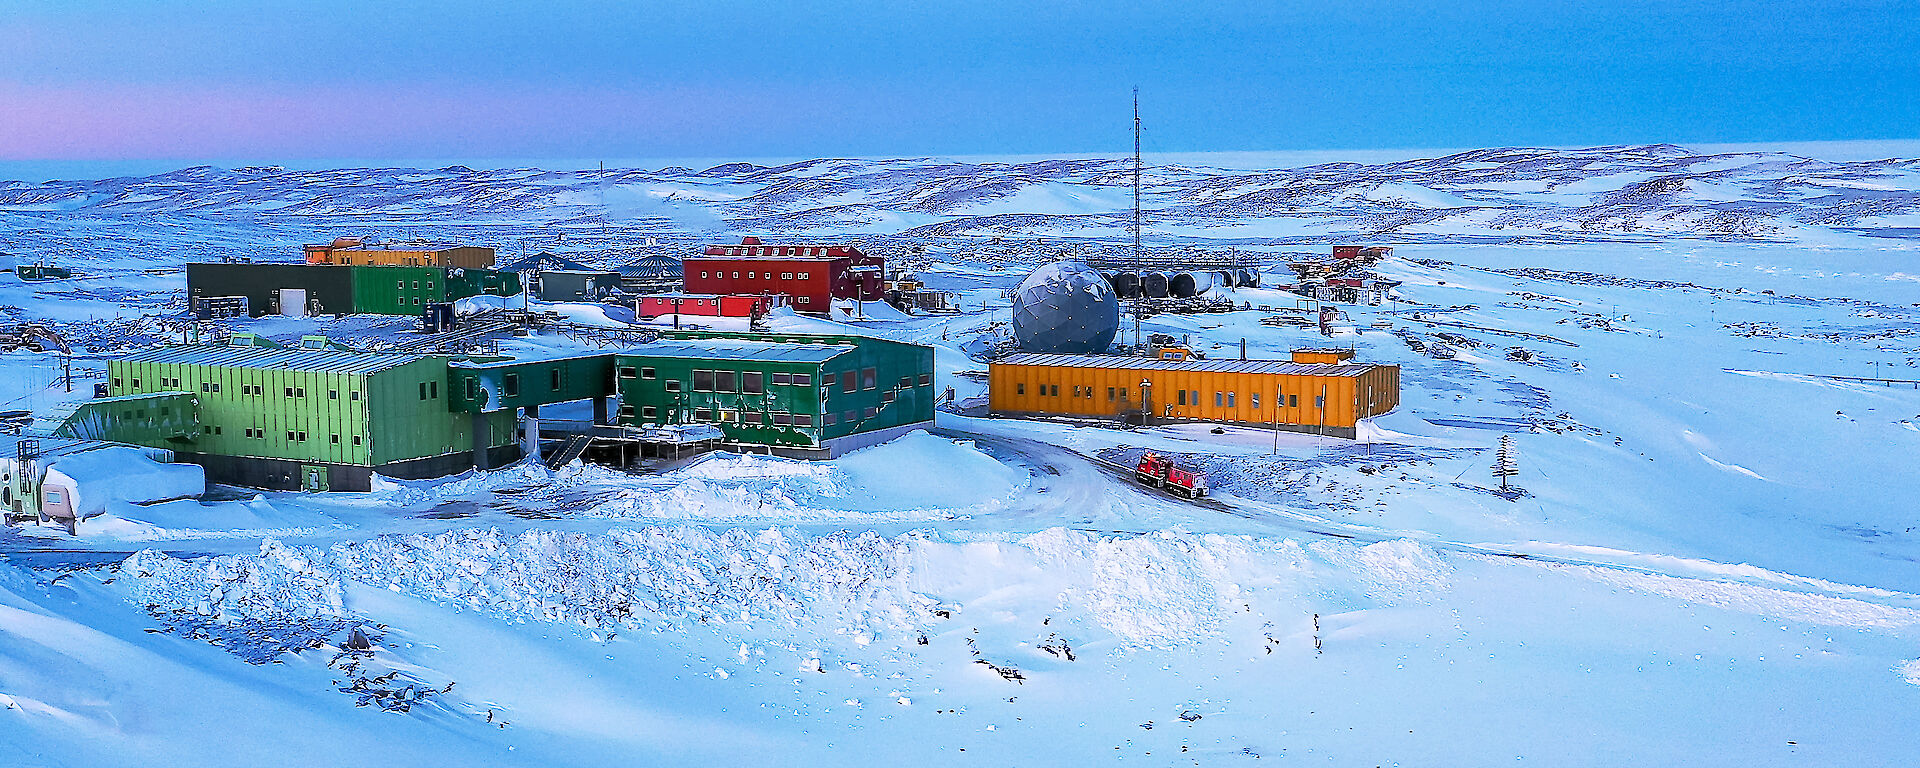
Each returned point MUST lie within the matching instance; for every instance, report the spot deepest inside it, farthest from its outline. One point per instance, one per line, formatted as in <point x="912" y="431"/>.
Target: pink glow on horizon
<point x="117" y="122"/>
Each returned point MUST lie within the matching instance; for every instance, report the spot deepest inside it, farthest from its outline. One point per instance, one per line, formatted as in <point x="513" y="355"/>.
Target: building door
<point x="293" y="302"/>
<point x="313" y="479"/>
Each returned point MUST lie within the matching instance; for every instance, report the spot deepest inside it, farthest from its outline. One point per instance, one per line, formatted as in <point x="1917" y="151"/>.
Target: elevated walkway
<point x="141" y="419"/>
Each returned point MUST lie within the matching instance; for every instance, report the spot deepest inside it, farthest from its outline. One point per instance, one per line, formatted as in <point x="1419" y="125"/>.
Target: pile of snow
<point x="278" y="583"/>
<point x="867" y="310"/>
<point x="917" y="476"/>
<point x="102" y="476"/>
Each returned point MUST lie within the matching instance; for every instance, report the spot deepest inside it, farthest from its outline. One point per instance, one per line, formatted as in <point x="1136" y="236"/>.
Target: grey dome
<point x="1065" y="307"/>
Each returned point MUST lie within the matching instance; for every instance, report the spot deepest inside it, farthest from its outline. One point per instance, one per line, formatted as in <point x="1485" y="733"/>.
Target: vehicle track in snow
<point x="1055" y="460"/>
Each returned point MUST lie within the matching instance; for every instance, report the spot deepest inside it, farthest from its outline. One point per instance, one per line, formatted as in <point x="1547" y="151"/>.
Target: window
<point x="803" y="379"/>
<point x="805" y="275"/>
<point x="136" y="382"/>
<point x="1110" y="394"/>
<point x="752" y="418"/>
<point x="782" y="419"/>
<point x="511" y="385"/>
<point x="1253" y="399"/>
<point x="849" y="382"/>
<point x="781" y="378"/>
<point x="736" y="275"/>
<point x="216" y="386"/>
<point x="703" y="274"/>
<point x="354" y="395"/>
<point x="1123" y="393"/>
<point x="926" y="379"/>
<point x="116" y="381"/>
<point x="1056" y="390"/>
<point x="786" y="275"/>
<point x="433" y="390"/>
<point x="1219" y="399"/>
<point x="553" y="376"/>
<point x="299" y="391"/>
<point x="416" y="285"/>
<point x="802" y="300"/>
<point x="1293" y="401"/>
<point x="289" y="435"/>
<point x="703" y="381"/>
<point x="671" y="385"/>
<point x="702" y="414"/>
<point x="289" y="391"/>
<point x="828" y="379"/>
<point x="1020" y="388"/>
<point x="729" y="415"/>
<point x="1196" y="397"/>
<point x="205" y="387"/>
<point x="423" y="390"/>
<point x="869" y="378"/>
<point x="647" y="411"/>
<point x="356" y="439"/>
<point x="850" y="416"/>
<point x="1076" y="391"/>
<point x="906" y="381"/>
<point x="1230" y="400"/>
<point x="1183" y="397"/>
<point x="802" y="420"/>
<point x="399" y="285"/>
<point x="303" y="437"/>
<point x="750" y="383"/>
<point x="726" y="381"/>
<point x="871" y="412"/>
<point x="1319" y="401"/>
<point x="887" y="396"/>
<point x="628" y="372"/>
<point x="648" y="373"/>
<point x="333" y="394"/>
<point x="335" y="439"/>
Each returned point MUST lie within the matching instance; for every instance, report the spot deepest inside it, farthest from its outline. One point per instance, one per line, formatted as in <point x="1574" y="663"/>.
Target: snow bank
<point x="102" y="476"/>
<point x="917" y="476"/>
<point x="1163" y="589"/>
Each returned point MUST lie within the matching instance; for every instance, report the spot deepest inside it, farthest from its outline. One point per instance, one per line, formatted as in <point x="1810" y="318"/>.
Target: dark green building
<point x="333" y="289"/>
<point x="809" y="395"/>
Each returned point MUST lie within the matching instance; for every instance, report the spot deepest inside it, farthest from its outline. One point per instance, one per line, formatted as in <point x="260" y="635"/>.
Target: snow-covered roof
<point x="328" y="360"/>
<point x="737" y="349"/>
<point x="1215" y="366"/>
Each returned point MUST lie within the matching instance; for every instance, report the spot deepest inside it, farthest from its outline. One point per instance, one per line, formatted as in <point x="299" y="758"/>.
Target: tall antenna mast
<point x="1138" y="275"/>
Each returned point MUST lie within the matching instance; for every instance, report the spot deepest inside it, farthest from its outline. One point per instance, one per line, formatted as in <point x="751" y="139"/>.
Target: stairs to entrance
<point x="572" y="449"/>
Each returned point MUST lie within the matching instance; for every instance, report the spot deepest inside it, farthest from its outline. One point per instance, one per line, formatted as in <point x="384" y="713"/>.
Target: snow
<point x="103" y="476"/>
<point x="1709" y="562"/>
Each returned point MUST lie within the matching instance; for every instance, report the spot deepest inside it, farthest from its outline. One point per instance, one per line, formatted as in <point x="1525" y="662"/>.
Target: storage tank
<point x="1065" y="307"/>
<point x="1126" y="285"/>
<point x="1180" y="285"/>
<point x="1203" y="281"/>
<point x="1153" y="285"/>
<point x="1247" y="278"/>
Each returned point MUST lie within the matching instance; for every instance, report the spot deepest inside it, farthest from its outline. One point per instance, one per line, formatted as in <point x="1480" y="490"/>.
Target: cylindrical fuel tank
<point x="1153" y="285"/>
<point x="1126" y="284"/>
<point x="1180" y="285"/>
<point x="1204" y="281"/>
<point x="1247" y="278"/>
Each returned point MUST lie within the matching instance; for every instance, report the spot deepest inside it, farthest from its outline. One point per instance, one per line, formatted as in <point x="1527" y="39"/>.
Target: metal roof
<point x="1212" y="366"/>
<point x="738" y="349"/>
<point x="321" y="360"/>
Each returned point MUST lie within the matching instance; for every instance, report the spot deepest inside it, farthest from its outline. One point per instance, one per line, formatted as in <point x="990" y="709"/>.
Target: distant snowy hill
<point x="1627" y="193"/>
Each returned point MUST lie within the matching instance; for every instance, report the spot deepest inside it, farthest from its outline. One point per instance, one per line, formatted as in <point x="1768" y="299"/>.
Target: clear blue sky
<point x="229" y="81"/>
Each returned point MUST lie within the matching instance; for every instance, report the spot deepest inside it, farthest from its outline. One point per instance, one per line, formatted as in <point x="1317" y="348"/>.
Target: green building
<point x="809" y="395"/>
<point x="313" y="419"/>
<point x="320" y="418"/>
<point x="333" y="289"/>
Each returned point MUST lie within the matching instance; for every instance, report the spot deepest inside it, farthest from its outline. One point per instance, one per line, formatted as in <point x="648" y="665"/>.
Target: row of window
<point x="1182" y="396"/>
<point x="167" y="383"/>
<point x="755" y="275"/>
<point x="293" y="435"/>
<point x="776" y="250"/>
<point x="402" y="285"/>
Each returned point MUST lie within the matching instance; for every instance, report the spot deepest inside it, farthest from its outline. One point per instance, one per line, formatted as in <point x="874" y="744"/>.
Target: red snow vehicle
<point x="1160" y="472"/>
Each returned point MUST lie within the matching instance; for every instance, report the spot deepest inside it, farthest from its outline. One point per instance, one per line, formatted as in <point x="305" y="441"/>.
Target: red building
<point x="707" y="304"/>
<point x="813" y="275"/>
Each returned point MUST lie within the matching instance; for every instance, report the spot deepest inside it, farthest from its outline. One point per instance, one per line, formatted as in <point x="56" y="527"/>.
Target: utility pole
<point x="1504" y="464"/>
<point x="1136" y="214"/>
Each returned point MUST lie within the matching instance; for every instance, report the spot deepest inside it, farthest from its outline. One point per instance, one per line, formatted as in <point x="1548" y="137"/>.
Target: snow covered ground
<point x="1712" y="561"/>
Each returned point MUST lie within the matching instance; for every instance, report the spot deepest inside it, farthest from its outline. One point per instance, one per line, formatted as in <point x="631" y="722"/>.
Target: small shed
<point x="577" y="285"/>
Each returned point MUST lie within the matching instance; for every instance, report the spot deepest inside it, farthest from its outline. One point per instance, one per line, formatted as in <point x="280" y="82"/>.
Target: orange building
<point x="1321" y="398"/>
<point x="1329" y="356"/>
<point x="352" y="250"/>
